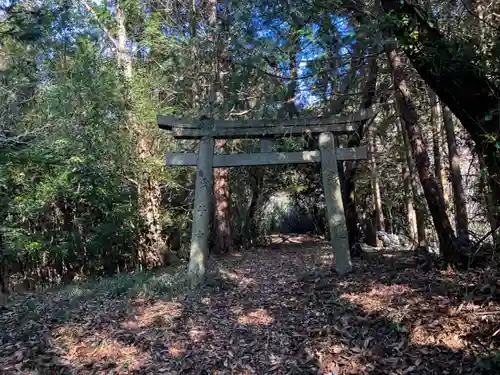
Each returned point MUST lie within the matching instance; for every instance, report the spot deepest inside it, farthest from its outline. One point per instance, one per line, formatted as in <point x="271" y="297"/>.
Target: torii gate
<point x="328" y="155"/>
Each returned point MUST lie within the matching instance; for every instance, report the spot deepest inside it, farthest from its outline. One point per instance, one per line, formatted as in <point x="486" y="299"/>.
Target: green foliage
<point x="70" y="175"/>
<point x="69" y="203"/>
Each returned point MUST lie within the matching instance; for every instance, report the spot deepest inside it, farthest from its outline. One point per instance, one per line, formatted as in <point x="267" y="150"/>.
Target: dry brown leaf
<point x="357" y="322"/>
<point x="337" y="349"/>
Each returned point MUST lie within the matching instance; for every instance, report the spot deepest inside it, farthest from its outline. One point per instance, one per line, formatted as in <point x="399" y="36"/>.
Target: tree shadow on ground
<point x="33" y="323"/>
<point x="281" y="312"/>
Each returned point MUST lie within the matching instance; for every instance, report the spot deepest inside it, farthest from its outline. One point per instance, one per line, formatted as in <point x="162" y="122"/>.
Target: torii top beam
<point x="184" y="129"/>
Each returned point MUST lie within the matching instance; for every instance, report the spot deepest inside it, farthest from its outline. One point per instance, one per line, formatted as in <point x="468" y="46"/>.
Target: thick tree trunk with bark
<point x="433" y="196"/>
<point x="222" y="218"/>
<point x="222" y="222"/>
<point x="153" y="245"/>
<point x="449" y="67"/>
<point x="460" y="203"/>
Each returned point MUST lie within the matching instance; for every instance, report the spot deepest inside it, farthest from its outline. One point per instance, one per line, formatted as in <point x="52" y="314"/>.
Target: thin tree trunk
<point x="289" y="106"/>
<point x="388" y="220"/>
<point x="461" y="217"/>
<point x="436" y="143"/>
<point x="193" y="20"/>
<point x="375" y="182"/>
<point x="351" y="167"/>
<point x="456" y="78"/>
<point x="488" y="200"/>
<point x="435" y="201"/>
<point x="420" y="211"/>
<point x="474" y="15"/>
<point x="410" y="209"/>
<point x="250" y="225"/>
<point x="4" y="270"/>
<point x="408" y="176"/>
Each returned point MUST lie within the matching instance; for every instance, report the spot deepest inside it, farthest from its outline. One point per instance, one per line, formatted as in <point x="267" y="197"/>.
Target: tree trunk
<point x="388" y="219"/>
<point x="436" y="143"/>
<point x="370" y="226"/>
<point x="223" y="232"/>
<point x="250" y="226"/>
<point x="460" y="203"/>
<point x="193" y="21"/>
<point x="435" y="201"/>
<point x="408" y="177"/>
<point x="375" y="182"/>
<point x="410" y="209"/>
<point x="474" y="16"/>
<point x="449" y="67"/>
<point x="4" y="274"/>
<point x="420" y="210"/>
<point x="351" y="170"/>
<point x="153" y="245"/>
<point x="488" y="200"/>
<point x="222" y="219"/>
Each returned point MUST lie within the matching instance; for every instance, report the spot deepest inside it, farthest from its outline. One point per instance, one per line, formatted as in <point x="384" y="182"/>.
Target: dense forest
<point x="84" y="189"/>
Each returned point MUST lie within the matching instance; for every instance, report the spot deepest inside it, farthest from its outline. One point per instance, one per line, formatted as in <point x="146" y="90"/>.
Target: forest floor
<point x="266" y="311"/>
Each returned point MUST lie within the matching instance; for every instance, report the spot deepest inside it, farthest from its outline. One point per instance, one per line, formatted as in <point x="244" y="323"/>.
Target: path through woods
<point x="267" y="311"/>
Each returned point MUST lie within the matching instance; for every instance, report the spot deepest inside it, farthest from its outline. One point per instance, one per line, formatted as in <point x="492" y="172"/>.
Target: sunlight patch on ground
<point x="238" y="277"/>
<point x="79" y="351"/>
<point x="197" y="334"/>
<point x="426" y="335"/>
<point x="397" y="304"/>
<point x="256" y="317"/>
<point x="380" y="298"/>
<point x="327" y="259"/>
<point x="153" y="315"/>
<point x="176" y="351"/>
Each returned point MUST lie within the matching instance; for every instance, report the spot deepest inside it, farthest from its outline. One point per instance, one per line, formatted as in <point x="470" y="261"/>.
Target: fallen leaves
<point x="256" y="317"/>
<point x="280" y="311"/>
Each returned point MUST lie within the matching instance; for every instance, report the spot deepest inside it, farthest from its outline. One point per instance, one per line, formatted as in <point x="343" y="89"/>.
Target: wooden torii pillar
<point x="328" y="155"/>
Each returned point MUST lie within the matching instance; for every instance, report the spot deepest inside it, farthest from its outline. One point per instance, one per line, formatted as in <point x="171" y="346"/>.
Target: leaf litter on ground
<point x="265" y="311"/>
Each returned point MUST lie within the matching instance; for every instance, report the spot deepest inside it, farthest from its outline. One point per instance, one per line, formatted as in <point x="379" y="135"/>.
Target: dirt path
<point x="269" y="311"/>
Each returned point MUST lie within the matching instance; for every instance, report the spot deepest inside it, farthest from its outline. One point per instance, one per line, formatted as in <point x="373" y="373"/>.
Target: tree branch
<point x="101" y="25"/>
